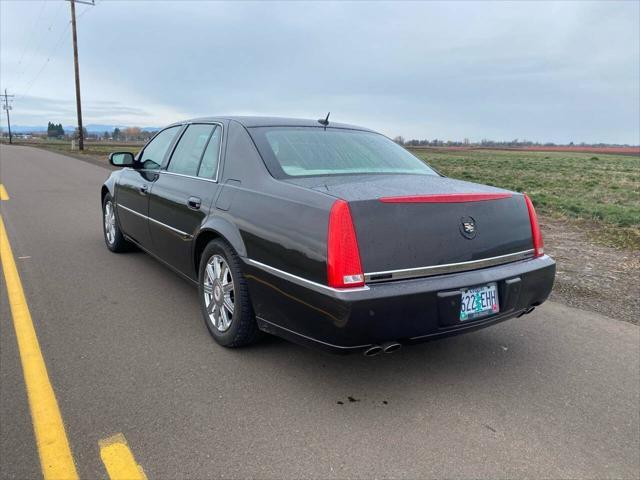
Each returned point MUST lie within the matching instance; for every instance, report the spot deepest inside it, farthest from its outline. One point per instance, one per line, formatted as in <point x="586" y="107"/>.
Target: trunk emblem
<point x="468" y="227"/>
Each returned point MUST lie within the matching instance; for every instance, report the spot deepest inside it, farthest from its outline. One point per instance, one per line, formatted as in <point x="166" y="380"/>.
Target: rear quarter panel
<point x="281" y="225"/>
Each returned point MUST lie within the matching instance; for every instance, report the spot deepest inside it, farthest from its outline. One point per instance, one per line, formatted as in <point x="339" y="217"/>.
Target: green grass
<point x="94" y="149"/>
<point x="601" y="192"/>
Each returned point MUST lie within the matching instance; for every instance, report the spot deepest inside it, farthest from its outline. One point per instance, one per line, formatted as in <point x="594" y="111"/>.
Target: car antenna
<point x="324" y="121"/>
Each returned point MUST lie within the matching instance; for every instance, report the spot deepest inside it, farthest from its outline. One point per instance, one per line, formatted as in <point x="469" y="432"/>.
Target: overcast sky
<point x="542" y="71"/>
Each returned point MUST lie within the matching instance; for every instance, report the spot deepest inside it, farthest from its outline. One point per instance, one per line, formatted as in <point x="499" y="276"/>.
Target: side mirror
<point x="121" y="159"/>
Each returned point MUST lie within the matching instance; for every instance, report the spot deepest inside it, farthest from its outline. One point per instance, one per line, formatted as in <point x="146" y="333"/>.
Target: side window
<point x="209" y="163"/>
<point x="187" y="154"/>
<point x="155" y="151"/>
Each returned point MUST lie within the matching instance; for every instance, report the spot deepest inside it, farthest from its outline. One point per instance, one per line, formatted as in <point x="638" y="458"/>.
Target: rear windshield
<point x="313" y="151"/>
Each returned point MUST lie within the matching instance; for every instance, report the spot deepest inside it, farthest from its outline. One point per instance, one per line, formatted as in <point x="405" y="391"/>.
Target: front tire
<point x="112" y="235"/>
<point x="224" y="297"/>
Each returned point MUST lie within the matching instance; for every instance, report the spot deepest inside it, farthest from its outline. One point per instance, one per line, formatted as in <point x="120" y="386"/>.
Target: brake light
<point x="446" y="198"/>
<point x="536" y="234"/>
<point x="343" y="255"/>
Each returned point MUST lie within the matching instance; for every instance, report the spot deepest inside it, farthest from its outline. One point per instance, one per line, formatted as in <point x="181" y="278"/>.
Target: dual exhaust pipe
<point x="528" y="310"/>
<point x="388" y="347"/>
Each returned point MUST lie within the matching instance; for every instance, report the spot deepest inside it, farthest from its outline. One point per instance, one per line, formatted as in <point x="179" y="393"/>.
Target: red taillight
<point x="343" y="256"/>
<point x="446" y="198"/>
<point x="536" y="234"/>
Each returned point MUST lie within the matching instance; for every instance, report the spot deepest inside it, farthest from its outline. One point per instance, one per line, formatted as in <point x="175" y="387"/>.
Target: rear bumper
<point x="407" y="311"/>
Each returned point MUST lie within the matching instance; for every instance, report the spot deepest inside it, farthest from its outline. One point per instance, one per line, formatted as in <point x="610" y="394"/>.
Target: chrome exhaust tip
<point x="391" y="347"/>
<point x="373" y="350"/>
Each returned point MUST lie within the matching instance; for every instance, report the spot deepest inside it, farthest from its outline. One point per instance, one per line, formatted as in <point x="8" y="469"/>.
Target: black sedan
<point x="329" y="235"/>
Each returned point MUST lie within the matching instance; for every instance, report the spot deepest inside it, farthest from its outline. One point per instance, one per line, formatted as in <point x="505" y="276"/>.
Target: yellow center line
<point x="56" y="459"/>
<point x="4" y="195"/>
<point x="118" y="459"/>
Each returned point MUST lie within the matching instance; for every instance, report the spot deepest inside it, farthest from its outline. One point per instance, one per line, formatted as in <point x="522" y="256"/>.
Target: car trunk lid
<point x="418" y="225"/>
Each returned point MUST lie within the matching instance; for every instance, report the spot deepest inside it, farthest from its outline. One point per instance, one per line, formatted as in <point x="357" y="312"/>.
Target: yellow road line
<point x="56" y="459"/>
<point x="118" y="459"/>
<point x="3" y="193"/>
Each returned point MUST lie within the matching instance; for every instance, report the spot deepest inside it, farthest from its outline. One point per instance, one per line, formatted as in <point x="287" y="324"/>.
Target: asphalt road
<point x="553" y="394"/>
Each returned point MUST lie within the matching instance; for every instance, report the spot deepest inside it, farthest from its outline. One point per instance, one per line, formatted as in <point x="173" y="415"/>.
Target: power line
<point x="53" y="50"/>
<point x="33" y="27"/>
<point x="50" y="55"/>
<point x="75" y="64"/>
<point x="87" y="9"/>
<point x="41" y="43"/>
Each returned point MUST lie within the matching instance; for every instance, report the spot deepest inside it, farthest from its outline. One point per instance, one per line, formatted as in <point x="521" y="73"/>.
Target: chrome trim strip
<point x="130" y="210"/>
<point x="446" y="268"/>
<point x="318" y="287"/>
<point x="165" y="172"/>
<point x="185" y="235"/>
<point x="397" y="274"/>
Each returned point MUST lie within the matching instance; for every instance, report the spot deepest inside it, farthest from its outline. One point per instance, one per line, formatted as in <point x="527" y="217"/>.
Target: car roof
<point x="255" y="121"/>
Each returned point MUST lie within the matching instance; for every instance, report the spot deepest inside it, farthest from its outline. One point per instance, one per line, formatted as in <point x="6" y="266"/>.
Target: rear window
<point x="311" y="151"/>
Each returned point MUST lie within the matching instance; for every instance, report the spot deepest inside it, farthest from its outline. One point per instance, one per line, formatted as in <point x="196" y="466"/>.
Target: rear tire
<point x="224" y="297"/>
<point x="113" y="237"/>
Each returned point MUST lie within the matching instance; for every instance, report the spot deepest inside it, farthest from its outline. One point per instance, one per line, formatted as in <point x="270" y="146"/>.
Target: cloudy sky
<point x="542" y="71"/>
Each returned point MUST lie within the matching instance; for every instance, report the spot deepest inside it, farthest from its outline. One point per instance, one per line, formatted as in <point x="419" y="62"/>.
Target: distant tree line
<point x="466" y="142"/>
<point x="128" y="134"/>
<point x="515" y="143"/>
<point x="137" y="134"/>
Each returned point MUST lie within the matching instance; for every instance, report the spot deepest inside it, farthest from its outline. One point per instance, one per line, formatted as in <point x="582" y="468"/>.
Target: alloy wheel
<point x="109" y="222"/>
<point x="218" y="293"/>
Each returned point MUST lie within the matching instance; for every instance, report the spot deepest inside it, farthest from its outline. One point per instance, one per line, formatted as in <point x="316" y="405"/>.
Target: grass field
<point x="94" y="149"/>
<point x="601" y="192"/>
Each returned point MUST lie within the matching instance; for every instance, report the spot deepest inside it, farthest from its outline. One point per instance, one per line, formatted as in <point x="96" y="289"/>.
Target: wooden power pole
<point x="7" y="107"/>
<point x="77" y="69"/>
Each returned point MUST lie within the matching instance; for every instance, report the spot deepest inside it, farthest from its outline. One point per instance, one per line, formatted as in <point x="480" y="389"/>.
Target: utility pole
<point x="7" y="107"/>
<point x="77" y="68"/>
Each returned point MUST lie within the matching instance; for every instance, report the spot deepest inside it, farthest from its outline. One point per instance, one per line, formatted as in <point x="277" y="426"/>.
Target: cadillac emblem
<point x="468" y="227"/>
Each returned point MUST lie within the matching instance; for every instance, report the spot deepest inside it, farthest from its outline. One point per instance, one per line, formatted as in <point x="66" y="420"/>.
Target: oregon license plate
<point x="479" y="302"/>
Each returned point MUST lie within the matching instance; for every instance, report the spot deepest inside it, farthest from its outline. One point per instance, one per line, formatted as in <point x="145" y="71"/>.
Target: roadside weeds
<point x="589" y="275"/>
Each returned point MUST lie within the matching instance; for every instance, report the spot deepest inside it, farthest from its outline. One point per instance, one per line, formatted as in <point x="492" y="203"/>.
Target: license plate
<point x="479" y="302"/>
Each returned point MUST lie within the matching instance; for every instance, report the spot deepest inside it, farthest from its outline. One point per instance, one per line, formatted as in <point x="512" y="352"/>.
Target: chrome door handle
<point x="194" y="203"/>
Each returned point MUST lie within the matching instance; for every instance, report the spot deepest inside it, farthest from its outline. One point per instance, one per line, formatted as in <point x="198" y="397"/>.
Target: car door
<point x="182" y="195"/>
<point x="134" y="185"/>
